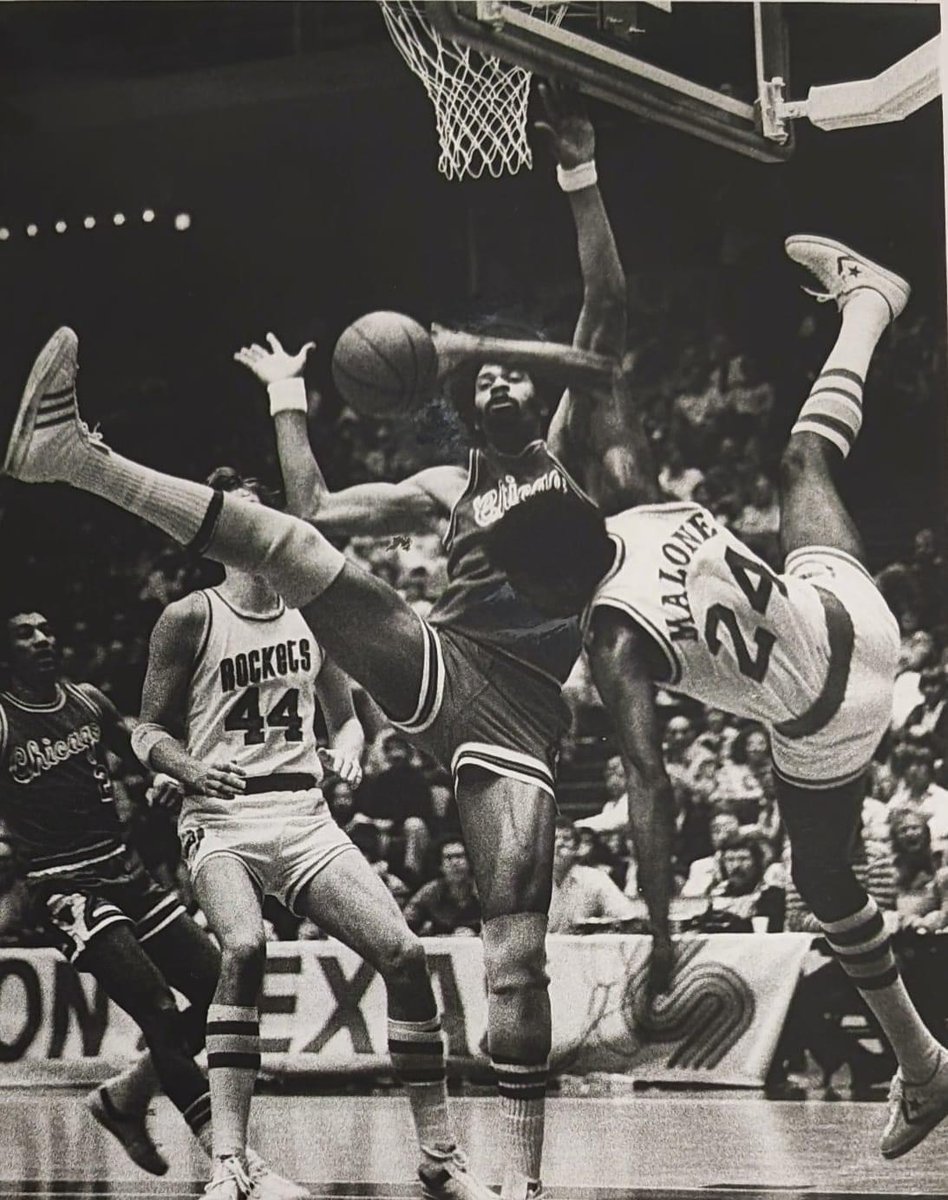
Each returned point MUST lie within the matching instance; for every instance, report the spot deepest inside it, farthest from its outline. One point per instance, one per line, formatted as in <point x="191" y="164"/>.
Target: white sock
<point x="176" y="506"/>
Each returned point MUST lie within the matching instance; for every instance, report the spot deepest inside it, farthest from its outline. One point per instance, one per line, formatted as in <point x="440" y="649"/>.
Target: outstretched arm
<point x="412" y="506"/>
<point x="568" y="129"/>
<point x="617" y="660"/>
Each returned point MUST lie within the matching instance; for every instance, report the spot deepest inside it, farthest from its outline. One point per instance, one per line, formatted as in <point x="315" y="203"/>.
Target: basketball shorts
<point x="74" y="913"/>
<point x="479" y="708"/>
<point x="282" y="838"/>
<point x="857" y="695"/>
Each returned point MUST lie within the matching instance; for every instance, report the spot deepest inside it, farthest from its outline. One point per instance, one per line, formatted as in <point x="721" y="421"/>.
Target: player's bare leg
<point x="869" y="298"/>
<point x="134" y="983"/>
<point x="363" y="624"/>
<point x="228" y="898"/>
<point x="348" y="900"/>
<point x="508" y="830"/>
<point x="820" y="823"/>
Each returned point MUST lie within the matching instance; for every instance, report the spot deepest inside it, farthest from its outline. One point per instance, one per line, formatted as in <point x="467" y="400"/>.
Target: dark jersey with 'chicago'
<point x="55" y="788"/>
<point x="478" y="601"/>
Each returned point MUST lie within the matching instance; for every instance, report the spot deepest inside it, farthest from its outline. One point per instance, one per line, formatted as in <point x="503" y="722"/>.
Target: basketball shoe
<point x="842" y="272"/>
<point x="266" y="1184"/>
<point x="230" y="1180"/>
<point x="47" y="432"/>
<point x="914" y="1110"/>
<point x="449" y="1178"/>
<point x="131" y="1129"/>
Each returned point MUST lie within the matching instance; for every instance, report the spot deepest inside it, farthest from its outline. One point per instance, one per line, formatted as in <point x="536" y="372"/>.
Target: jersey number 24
<point x="757" y="582"/>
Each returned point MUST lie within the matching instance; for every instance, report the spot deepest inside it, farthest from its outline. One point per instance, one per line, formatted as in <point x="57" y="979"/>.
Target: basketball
<point x="385" y="364"/>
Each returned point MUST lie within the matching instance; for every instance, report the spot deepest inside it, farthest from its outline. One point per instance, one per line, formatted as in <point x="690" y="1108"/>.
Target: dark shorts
<point x="478" y="708"/>
<point x="74" y="911"/>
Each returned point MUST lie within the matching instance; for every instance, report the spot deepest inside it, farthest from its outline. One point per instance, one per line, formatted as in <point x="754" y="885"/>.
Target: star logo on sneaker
<point x="846" y="266"/>
<point x="912" y="1108"/>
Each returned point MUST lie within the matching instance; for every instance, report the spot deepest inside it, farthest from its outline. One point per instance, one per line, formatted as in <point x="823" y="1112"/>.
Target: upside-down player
<point x="228" y="710"/>
<point x="671" y="596"/>
<point x="479" y="685"/>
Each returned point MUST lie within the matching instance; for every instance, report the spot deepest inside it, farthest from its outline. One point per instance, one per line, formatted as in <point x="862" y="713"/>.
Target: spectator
<point x="414" y="587"/>
<point x="705" y="874"/>
<point x="581" y="894"/>
<point x="929" y="720"/>
<point x="918" y="652"/>
<point x="922" y="898"/>
<point x="447" y="905"/>
<point x="615" y="812"/>
<point x="681" y="748"/>
<point x="758" y="522"/>
<point x="677" y="481"/>
<point x="719" y="734"/>
<point x="16" y="924"/>
<point x="745" y="784"/>
<point x="918" y="792"/>
<point x="744" y="891"/>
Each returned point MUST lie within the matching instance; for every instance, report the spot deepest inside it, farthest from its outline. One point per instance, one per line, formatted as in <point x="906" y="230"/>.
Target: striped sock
<point x="864" y="951"/>
<point x="417" y="1052"/>
<point x="176" y="506"/>
<point x="233" y="1060"/>
<point x="198" y="1117"/>
<point x="833" y="409"/>
<point x="522" y="1088"/>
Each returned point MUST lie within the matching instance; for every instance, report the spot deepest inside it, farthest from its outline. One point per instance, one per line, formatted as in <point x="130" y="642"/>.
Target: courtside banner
<point x="323" y="1010"/>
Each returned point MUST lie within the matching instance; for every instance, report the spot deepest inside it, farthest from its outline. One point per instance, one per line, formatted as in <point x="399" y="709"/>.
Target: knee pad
<point x="515" y="952"/>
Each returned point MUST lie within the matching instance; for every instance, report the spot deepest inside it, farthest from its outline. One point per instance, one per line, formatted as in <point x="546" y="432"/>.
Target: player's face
<point x="504" y="401"/>
<point x="32" y="647"/>
<point x="454" y="864"/>
<point x="739" y="867"/>
<point x="564" y="847"/>
<point x="911" y="833"/>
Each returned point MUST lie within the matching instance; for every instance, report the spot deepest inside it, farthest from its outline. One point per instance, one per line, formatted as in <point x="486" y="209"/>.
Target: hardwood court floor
<point x="663" y="1148"/>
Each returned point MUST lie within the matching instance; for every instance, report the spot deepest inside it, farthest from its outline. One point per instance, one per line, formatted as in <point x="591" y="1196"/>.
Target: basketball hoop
<point x="480" y="101"/>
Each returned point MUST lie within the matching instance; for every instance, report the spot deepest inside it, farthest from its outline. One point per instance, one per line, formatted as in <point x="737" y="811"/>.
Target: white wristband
<point x="287" y="395"/>
<point x="145" y="737"/>
<point x="574" y="179"/>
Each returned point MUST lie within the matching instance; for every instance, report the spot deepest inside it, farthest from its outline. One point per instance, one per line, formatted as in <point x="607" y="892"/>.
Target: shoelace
<point x="819" y="297"/>
<point x="226" y="1170"/>
<point x="895" y="1088"/>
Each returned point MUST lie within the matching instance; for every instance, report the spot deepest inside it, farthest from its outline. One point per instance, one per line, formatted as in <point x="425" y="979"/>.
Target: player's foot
<point x="521" y="1187"/>
<point x="266" y="1184"/>
<point x="47" y="431"/>
<point x="230" y="1180"/>
<point x="450" y="1178"/>
<point x="915" y="1109"/>
<point x="843" y="273"/>
<point x="131" y="1129"/>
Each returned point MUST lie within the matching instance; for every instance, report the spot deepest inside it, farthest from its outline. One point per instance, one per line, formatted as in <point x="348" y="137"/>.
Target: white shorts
<point x="839" y="750"/>
<point x="282" y="838"/>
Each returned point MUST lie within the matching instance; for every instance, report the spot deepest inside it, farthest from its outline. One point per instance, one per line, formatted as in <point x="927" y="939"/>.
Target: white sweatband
<point x="574" y="179"/>
<point x="145" y="737"/>
<point x="287" y="395"/>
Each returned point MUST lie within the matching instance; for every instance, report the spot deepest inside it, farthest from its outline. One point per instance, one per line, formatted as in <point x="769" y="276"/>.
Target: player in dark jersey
<point x="672" y="597"/>
<point x="89" y="889"/>
<point x="479" y="684"/>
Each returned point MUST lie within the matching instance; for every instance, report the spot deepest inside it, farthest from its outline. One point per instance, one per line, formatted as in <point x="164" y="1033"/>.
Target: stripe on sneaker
<point x="69" y="391"/>
<point x="48" y="424"/>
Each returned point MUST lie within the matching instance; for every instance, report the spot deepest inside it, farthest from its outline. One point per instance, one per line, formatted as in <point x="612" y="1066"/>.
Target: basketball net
<point x="480" y="102"/>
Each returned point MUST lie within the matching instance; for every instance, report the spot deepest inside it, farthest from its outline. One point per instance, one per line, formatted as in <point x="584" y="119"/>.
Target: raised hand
<point x="270" y="366"/>
<point x="567" y="127"/>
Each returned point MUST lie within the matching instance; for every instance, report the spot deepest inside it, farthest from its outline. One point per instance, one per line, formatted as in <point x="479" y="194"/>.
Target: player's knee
<point x="802" y="458"/>
<point x="243" y="956"/>
<point x="403" y="961"/>
<point x="515" y="953"/>
<point x="298" y="561"/>
<point x="161" y="1023"/>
